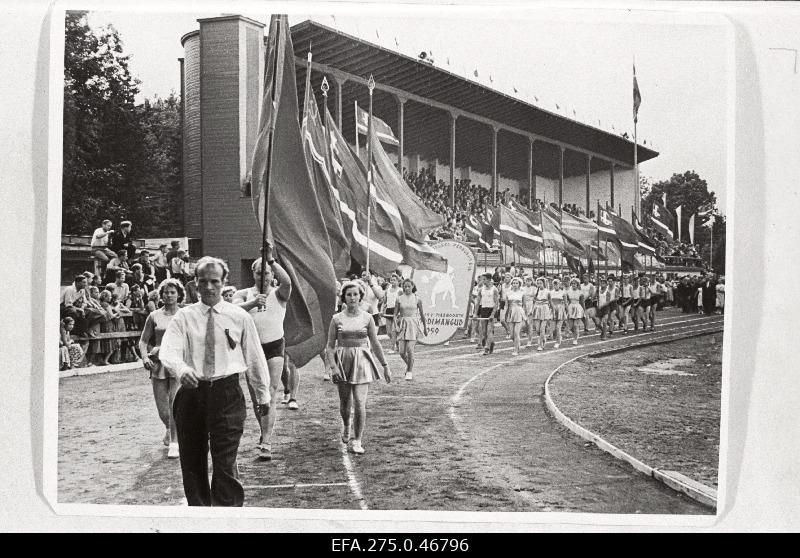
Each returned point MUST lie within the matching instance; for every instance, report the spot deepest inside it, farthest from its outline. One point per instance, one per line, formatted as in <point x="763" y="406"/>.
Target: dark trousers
<point x="210" y="416"/>
<point x="161" y="274"/>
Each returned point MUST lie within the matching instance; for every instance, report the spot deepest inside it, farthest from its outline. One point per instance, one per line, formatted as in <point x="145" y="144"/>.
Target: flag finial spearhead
<point x="325" y="87"/>
<point x="371" y="84"/>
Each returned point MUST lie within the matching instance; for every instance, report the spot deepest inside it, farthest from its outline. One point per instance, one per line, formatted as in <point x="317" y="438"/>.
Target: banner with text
<point x="445" y="296"/>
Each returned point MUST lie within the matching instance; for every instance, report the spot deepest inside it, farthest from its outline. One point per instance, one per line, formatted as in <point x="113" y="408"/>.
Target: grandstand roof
<point x="433" y="90"/>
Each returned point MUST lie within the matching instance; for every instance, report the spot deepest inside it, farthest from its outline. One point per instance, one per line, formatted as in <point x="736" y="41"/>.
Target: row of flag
<point x="319" y="204"/>
<point x="669" y="223"/>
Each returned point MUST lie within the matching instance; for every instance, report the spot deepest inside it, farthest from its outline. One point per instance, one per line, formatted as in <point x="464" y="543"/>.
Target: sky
<point x="580" y="59"/>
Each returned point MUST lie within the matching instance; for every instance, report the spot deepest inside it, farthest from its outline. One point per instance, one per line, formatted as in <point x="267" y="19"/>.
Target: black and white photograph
<point x="430" y="260"/>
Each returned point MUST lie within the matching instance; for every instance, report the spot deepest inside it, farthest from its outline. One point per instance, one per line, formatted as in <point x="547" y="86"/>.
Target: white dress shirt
<point x="183" y="347"/>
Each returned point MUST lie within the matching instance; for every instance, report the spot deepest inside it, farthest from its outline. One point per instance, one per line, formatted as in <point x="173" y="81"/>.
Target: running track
<point x="469" y="433"/>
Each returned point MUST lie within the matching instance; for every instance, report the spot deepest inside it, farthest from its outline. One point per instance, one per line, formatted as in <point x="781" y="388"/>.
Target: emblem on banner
<point x="445" y="296"/>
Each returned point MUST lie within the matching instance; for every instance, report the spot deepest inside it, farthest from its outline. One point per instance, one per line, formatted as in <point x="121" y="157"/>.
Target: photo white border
<point x="704" y="14"/>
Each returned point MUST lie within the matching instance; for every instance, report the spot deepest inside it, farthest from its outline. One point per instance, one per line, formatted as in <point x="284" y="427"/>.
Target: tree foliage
<point x="121" y="161"/>
<point x="689" y="191"/>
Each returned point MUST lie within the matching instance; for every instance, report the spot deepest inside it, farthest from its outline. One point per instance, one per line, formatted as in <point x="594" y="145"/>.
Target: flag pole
<point x="370" y="177"/>
<point x="711" y="248"/>
<point x="268" y="170"/>
<point x="635" y="143"/>
<point x="355" y="120"/>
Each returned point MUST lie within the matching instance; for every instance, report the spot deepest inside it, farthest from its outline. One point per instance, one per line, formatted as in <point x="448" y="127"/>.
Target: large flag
<point x="678" y="211"/>
<point x="581" y="230"/>
<point x="387" y="238"/>
<point x="627" y="237"/>
<point x="643" y="240"/>
<point x="637" y="96"/>
<point x="517" y="230"/>
<point x="295" y="221"/>
<point x="382" y="130"/>
<point x="553" y="237"/>
<point x="418" y="219"/>
<point x="488" y="232"/>
<point x="392" y="193"/>
<point x="474" y="231"/>
<point x="605" y="227"/>
<point x="318" y="159"/>
<point x="661" y="219"/>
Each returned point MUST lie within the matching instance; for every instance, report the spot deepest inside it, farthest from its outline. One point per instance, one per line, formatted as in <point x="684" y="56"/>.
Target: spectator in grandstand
<point x="267" y="308"/>
<point x="206" y="346"/>
<point x="120" y="263"/>
<point x="72" y="303"/>
<point x="120" y="288"/>
<point x="160" y="263"/>
<point x="352" y="341"/>
<point x="71" y="352"/>
<point x="165" y="386"/>
<point x="108" y="325"/>
<point x="121" y="240"/>
<point x="174" y="246"/>
<point x="152" y="301"/>
<point x="99" y="245"/>
<point x="137" y="306"/>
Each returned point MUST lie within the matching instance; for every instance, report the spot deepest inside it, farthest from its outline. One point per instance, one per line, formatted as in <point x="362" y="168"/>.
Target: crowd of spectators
<point x="118" y="299"/>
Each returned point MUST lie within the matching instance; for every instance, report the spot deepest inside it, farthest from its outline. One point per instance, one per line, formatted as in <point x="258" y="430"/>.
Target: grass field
<point x="661" y="404"/>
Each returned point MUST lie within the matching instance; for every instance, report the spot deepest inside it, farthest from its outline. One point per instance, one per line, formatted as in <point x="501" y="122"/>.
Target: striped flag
<point x="382" y="130"/>
<point x="387" y="238"/>
<point x="637" y="96"/>
<point x="642" y="240"/>
<point x="662" y="219"/>
<point x="294" y="220"/>
<point x="515" y="228"/>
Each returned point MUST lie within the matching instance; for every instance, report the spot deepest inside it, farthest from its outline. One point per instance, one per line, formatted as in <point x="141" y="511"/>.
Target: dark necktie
<point x="208" y="360"/>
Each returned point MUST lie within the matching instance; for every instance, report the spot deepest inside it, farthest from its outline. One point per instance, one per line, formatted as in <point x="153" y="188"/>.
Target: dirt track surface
<point x="469" y="433"/>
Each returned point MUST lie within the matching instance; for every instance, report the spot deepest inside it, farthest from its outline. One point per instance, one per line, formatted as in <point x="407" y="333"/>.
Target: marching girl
<point x="588" y="290"/>
<point x="575" y="308"/>
<point x="353" y="349"/>
<point x="389" y="298"/>
<point x="558" y="305"/>
<point x="515" y="312"/>
<point x="543" y="312"/>
<point x="406" y="307"/>
<point x="504" y="287"/>
<point x="604" y="308"/>
<point x="624" y="303"/>
<point x="529" y="291"/>
<point x="655" y="292"/>
<point x="644" y="302"/>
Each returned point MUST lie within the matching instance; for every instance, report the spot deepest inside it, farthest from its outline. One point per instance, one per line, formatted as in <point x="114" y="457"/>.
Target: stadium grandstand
<point x="460" y="144"/>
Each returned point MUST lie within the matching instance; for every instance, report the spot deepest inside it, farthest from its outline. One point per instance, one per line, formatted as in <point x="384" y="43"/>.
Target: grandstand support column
<point x="531" y="176"/>
<point x="453" y="118"/>
<point x="561" y="178"/>
<point x="495" y="129"/>
<point x="339" y="83"/>
<point x="611" y="177"/>
<point x="588" y="174"/>
<point x="401" y="115"/>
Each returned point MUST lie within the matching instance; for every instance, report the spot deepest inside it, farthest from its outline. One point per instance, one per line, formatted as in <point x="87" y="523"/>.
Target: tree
<point x="100" y="134"/>
<point x="121" y="161"/>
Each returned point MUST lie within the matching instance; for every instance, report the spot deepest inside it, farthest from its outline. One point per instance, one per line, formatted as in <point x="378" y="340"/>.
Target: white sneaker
<point x="538" y="348"/>
<point x="326" y="377"/>
<point x="409" y="376"/>
<point x="356" y="447"/>
<point x="575" y="342"/>
<point x="173" y="452"/>
<point x="285" y="399"/>
<point x="530" y="344"/>
<point x="293" y="405"/>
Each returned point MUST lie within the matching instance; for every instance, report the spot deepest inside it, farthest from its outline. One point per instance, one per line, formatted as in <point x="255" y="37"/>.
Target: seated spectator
<point x="72" y="302"/>
<point x="121" y="240"/>
<point x="120" y="263"/>
<point x="99" y="244"/>
<point x="120" y="289"/>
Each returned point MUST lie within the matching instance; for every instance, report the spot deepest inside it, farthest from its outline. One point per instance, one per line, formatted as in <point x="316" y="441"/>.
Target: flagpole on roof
<point x="271" y="136"/>
<point x="370" y="177"/>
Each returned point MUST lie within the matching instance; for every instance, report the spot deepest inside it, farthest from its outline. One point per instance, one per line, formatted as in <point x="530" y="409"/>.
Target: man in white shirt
<point x="72" y="301"/>
<point x="100" y="242"/>
<point x="267" y="307"/>
<point x="206" y="346"/>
